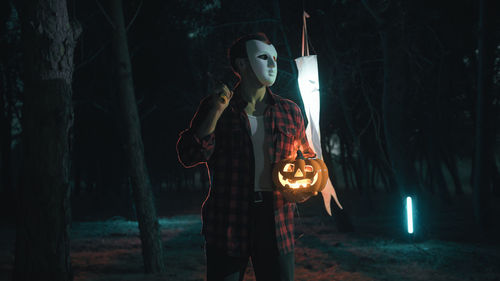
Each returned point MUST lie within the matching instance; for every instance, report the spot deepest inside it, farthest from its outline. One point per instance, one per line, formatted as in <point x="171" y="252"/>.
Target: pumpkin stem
<point x="300" y="155"/>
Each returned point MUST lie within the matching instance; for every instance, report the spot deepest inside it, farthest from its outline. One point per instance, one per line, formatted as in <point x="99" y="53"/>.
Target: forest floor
<point x="447" y="248"/>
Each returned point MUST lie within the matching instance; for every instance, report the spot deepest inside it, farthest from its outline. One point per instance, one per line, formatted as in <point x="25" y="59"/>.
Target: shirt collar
<point x="240" y="103"/>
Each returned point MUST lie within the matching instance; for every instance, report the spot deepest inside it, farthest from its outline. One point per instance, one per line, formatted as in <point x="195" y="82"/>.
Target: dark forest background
<point x="399" y="90"/>
<point x="174" y="44"/>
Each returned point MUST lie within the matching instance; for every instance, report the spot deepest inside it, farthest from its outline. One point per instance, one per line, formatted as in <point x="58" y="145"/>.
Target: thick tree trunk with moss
<point x="43" y="214"/>
<point x="152" y="250"/>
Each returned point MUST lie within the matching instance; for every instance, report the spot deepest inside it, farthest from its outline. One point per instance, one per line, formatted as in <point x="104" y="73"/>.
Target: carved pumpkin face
<point x="300" y="175"/>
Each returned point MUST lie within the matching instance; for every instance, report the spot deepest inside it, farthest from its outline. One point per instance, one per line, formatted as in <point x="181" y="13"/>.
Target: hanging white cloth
<point x="308" y="80"/>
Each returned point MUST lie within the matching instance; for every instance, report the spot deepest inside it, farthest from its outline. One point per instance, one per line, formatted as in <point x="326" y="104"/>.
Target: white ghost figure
<point x="309" y="90"/>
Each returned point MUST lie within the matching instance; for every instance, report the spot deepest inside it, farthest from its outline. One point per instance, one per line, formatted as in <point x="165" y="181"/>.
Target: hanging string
<point x="305" y="38"/>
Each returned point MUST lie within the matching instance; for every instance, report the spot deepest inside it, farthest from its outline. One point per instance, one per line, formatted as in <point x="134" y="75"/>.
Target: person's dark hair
<point x="238" y="48"/>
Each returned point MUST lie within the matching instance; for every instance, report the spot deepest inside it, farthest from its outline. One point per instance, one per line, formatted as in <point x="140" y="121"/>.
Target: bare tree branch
<point x="243" y="23"/>
<point x="92" y="57"/>
<point x="135" y="15"/>
<point x="105" y="14"/>
<point x="372" y="12"/>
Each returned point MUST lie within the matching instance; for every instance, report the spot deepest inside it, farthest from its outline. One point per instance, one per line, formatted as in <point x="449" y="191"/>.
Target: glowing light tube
<point x="409" y="214"/>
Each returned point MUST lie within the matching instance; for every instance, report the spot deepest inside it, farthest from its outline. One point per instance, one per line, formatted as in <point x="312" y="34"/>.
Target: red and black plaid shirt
<point x="228" y="154"/>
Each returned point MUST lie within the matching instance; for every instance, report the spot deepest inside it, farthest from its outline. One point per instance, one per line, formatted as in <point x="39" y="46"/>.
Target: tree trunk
<point x="152" y="250"/>
<point x="359" y="164"/>
<point x="8" y="76"/>
<point x="394" y="96"/>
<point x="435" y="166"/>
<point x="343" y="161"/>
<point x="481" y="178"/>
<point x="5" y="134"/>
<point x="43" y="215"/>
<point x="495" y="177"/>
<point x="276" y="14"/>
<point x="394" y="110"/>
<point x="451" y="163"/>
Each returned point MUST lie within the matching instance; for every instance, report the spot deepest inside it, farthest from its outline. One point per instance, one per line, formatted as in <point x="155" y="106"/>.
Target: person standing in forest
<point x="239" y="135"/>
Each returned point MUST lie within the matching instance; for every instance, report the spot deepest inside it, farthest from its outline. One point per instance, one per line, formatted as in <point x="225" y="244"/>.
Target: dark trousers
<point x="267" y="263"/>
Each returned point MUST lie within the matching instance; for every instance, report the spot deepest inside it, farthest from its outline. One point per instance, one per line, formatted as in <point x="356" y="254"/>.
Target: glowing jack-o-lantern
<point x="296" y="178"/>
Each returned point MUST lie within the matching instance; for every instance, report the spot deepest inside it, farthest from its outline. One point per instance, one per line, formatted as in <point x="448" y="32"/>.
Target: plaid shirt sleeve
<point x="288" y="119"/>
<point x="192" y="150"/>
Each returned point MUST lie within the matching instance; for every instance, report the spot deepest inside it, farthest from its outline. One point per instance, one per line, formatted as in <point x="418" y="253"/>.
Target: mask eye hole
<point x="289" y="167"/>
<point x="308" y="168"/>
<point x="263" y="57"/>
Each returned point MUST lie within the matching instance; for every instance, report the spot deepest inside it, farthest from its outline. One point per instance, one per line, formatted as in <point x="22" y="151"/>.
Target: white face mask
<point x="263" y="61"/>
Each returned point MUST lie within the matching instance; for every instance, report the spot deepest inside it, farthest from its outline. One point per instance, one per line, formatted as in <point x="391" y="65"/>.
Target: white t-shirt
<point x="263" y="180"/>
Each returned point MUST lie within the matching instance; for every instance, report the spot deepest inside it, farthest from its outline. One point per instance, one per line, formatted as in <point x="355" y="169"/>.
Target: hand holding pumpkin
<point x="298" y="197"/>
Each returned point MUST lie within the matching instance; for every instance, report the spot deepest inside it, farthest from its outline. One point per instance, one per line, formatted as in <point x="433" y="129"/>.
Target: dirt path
<point x="110" y="250"/>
